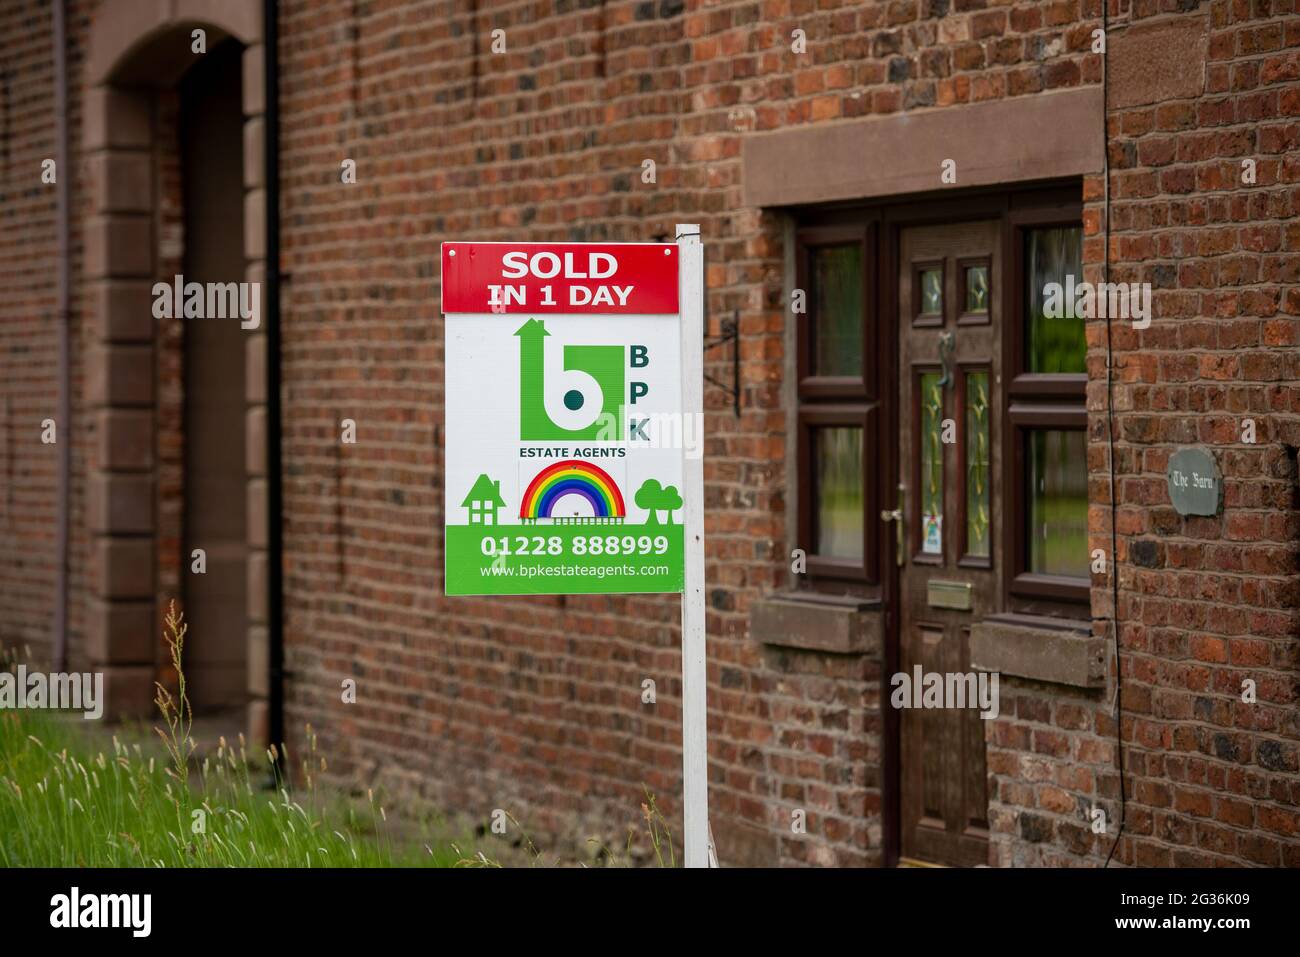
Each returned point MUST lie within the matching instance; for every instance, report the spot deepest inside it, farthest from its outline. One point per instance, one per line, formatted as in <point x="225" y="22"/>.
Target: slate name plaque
<point x="1195" y="483"/>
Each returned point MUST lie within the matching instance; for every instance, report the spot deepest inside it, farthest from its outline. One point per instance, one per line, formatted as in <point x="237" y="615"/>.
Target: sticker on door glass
<point x="932" y="534"/>
<point x="931" y="451"/>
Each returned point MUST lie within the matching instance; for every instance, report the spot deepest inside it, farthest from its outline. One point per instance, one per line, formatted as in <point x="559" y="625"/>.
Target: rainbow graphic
<point x="572" y="477"/>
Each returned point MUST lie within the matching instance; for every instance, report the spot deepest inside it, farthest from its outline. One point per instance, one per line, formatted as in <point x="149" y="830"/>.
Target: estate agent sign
<point x="575" y="402"/>
<point x="564" y="418"/>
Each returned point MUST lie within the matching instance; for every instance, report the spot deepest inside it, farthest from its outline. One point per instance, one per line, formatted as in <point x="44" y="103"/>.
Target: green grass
<point x="64" y="803"/>
<point x="67" y="800"/>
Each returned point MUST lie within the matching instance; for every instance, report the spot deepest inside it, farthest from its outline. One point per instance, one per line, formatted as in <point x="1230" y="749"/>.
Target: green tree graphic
<point x="655" y="498"/>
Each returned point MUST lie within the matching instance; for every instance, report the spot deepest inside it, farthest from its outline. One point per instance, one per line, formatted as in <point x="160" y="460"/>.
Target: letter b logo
<point x="578" y="400"/>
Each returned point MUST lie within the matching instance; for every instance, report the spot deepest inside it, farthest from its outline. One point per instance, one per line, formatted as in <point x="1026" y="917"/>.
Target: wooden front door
<point x="947" y="510"/>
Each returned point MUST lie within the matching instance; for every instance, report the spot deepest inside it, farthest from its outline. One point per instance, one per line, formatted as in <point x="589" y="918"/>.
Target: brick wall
<point x="1205" y="603"/>
<point x="29" y="332"/>
<point x="29" y="335"/>
<point x="28" y="328"/>
<point x="546" y="142"/>
<point x="534" y="705"/>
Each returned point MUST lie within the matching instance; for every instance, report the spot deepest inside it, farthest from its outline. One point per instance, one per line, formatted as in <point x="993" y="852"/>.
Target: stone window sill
<point x="819" y="623"/>
<point x="1055" y="650"/>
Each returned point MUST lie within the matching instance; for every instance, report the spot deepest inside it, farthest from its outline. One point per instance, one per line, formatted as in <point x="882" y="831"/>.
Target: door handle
<point x="895" y="515"/>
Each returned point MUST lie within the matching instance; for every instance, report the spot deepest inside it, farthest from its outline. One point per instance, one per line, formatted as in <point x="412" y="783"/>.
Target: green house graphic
<point x="483" y="501"/>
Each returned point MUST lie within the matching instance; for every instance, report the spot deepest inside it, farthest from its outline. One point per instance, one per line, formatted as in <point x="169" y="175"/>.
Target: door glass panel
<point x="977" y="289"/>
<point x="1054" y="340"/>
<point x="838" y="492"/>
<point x="1057" y="480"/>
<point x="837" y="297"/>
<point x="931" y="450"/>
<point x="931" y="291"/>
<point x="977" y="464"/>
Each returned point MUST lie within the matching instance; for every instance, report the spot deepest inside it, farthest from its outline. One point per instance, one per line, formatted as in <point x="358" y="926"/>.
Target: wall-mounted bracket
<point x="729" y="332"/>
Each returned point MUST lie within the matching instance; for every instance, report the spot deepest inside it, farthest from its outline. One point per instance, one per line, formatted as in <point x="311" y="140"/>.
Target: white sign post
<point x="695" y="704"/>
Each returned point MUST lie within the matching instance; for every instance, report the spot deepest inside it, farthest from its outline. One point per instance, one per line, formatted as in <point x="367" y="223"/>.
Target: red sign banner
<point x="559" y="278"/>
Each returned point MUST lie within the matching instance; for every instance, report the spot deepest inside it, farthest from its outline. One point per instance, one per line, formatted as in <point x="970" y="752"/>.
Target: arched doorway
<point x="212" y="365"/>
<point x="177" y="483"/>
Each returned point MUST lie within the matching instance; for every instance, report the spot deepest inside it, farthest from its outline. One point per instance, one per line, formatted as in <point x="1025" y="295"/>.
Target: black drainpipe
<point x="62" y="315"/>
<point x="274" y="535"/>
<point x="1110" y="441"/>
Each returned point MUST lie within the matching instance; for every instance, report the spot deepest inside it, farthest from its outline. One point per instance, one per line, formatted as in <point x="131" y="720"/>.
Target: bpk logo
<point x="581" y="395"/>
